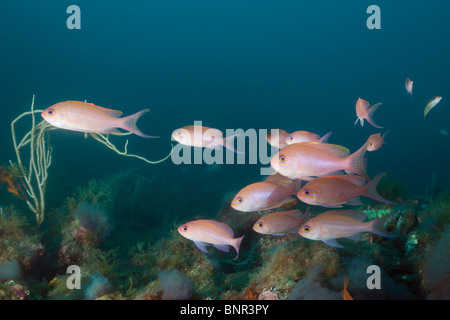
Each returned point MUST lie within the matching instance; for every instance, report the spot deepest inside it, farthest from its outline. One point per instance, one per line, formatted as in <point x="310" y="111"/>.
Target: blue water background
<point x="294" y="65"/>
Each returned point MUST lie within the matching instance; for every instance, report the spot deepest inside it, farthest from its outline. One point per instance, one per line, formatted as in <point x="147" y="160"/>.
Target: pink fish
<point x="375" y="141"/>
<point x="307" y="160"/>
<point x="409" y="86"/>
<point x="431" y="104"/>
<point x="265" y="195"/>
<point x="334" y="191"/>
<point x="204" y="232"/>
<point x="364" y="111"/>
<point x="204" y="137"/>
<point x="342" y="224"/>
<point x="276" y="138"/>
<point x="305" y="136"/>
<point x="87" y="117"/>
<point x="280" y="223"/>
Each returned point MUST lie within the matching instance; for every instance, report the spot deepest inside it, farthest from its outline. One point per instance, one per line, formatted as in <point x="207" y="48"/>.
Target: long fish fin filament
<point x="236" y="245"/>
<point x="377" y="226"/>
<point x="371" y="189"/>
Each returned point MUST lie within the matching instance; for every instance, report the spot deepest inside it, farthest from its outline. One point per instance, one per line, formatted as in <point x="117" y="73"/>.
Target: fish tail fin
<point x="356" y="162"/>
<point x="370" y="113"/>
<point x="324" y="139"/>
<point x="229" y="143"/>
<point x="377" y="226"/>
<point x="371" y="189"/>
<point x="129" y="123"/>
<point x="236" y="245"/>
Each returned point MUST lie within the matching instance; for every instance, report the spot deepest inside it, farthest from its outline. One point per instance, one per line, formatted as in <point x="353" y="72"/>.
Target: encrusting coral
<point x="20" y="250"/>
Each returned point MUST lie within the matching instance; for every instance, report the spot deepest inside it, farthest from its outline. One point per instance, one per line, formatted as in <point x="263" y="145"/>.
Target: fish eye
<point x="291" y="138"/>
<point x="51" y="112"/>
<point x="282" y="159"/>
<point x="179" y="133"/>
<point x="260" y="224"/>
<point x="184" y="228"/>
<point x="240" y="200"/>
<point x="306" y="228"/>
<point x="307" y="192"/>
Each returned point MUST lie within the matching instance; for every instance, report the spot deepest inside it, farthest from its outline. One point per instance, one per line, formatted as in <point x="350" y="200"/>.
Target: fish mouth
<point x="235" y="205"/>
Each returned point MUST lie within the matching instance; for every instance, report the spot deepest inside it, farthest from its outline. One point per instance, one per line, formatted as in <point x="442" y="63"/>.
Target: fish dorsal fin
<point x="222" y="226"/>
<point x="111" y="112"/>
<point x="281" y="183"/>
<point x="283" y="202"/>
<point x="334" y="149"/>
<point x="353" y="179"/>
<point x="354" y="214"/>
<point x="304" y="135"/>
<point x="293" y="213"/>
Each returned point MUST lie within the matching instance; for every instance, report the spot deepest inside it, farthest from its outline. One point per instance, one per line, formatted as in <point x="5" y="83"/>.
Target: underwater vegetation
<point x="33" y="179"/>
<point x="414" y="265"/>
<point x="436" y="275"/>
<point x="269" y="267"/>
<point x="11" y="178"/>
<point x="123" y="252"/>
<point x="20" y="252"/>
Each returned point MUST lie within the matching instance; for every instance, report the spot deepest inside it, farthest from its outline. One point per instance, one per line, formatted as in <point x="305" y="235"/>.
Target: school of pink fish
<point x="307" y="167"/>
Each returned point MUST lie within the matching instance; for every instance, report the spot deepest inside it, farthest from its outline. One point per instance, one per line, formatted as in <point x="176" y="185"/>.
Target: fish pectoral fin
<point x="201" y="246"/>
<point x="333" y="243"/>
<point x="222" y="247"/>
